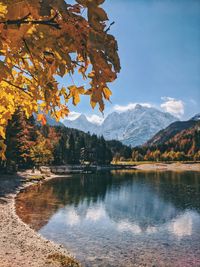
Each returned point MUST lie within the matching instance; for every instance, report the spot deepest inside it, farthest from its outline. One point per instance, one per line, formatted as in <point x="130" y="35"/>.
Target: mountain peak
<point x="82" y="117"/>
<point x="138" y="106"/>
<point x="132" y="127"/>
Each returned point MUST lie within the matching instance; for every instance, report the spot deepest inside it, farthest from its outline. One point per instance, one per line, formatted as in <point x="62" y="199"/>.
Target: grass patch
<point x="35" y="178"/>
<point x="63" y="260"/>
<point x="152" y="162"/>
<point x="133" y="162"/>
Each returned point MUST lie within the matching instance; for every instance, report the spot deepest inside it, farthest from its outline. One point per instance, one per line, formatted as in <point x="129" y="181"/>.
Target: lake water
<point x="120" y="218"/>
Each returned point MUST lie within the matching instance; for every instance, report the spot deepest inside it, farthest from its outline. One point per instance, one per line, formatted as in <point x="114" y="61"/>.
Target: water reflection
<point x="180" y="226"/>
<point x="155" y="216"/>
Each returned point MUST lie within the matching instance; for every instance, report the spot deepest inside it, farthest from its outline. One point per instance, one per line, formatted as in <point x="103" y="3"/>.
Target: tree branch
<point x="27" y="47"/>
<point x="18" y="87"/>
<point x="49" y="22"/>
<point x="108" y="29"/>
<point x="26" y="72"/>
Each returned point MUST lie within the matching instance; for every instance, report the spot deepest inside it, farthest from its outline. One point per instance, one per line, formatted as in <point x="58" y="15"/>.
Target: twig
<point x="108" y="29"/>
<point x="27" y="47"/>
<point x="26" y="72"/>
<point x="49" y="22"/>
<point x="76" y="63"/>
<point x="18" y="87"/>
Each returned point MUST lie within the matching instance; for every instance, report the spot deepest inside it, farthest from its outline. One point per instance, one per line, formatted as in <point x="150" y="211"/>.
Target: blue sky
<point x="159" y="48"/>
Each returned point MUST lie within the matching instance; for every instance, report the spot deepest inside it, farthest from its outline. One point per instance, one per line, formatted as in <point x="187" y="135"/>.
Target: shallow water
<point x="120" y="218"/>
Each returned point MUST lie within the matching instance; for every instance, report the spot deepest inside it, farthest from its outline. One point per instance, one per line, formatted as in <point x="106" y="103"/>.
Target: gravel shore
<point x="168" y="167"/>
<point x="20" y="246"/>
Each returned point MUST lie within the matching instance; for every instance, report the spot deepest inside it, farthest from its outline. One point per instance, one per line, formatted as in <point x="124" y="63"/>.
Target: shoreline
<point x="21" y="246"/>
<point x="168" y="167"/>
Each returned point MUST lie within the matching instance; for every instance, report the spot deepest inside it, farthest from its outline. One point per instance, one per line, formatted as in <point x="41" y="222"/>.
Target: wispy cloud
<point x="130" y="106"/>
<point x="173" y="106"/>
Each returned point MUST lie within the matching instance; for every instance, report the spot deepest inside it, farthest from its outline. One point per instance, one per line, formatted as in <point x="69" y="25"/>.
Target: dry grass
<point x="152" y="162"/>
<point x="63" y="260"/>
<point x="37" y="177"/>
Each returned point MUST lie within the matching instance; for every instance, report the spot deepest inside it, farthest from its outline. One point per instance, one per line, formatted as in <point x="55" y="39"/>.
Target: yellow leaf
<point x="81" y="90"/>
<point x="88" y="92"/>
<point x="3" y="9"/>
<point x="93" y="104"/>
<point x="2" y="132"/>
<point x="74" y="93"/>
<point x="107" y="93"/>
<point x="42" y="119"/>
<point x="2" y="150"/>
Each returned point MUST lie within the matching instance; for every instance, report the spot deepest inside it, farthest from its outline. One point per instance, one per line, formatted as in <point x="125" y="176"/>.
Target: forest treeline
<point x="183" y="146"/>
<point x="30" y="144"/>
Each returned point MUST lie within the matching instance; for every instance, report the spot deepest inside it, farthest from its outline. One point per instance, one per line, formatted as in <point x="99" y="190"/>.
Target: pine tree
<point x="71" y="147"/>
<point x="21" y="136"/>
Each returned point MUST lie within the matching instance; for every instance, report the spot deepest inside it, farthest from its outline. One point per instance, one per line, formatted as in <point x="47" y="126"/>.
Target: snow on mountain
<point x="196" y="117"/>
<point x="133" y="127"/>
<point x="83" y="124"/>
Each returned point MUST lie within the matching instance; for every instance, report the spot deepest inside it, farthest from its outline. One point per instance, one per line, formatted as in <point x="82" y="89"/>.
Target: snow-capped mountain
<point x="196" y="117"/>
<point x="83" y="124"/>
<point x="133" y="127"/>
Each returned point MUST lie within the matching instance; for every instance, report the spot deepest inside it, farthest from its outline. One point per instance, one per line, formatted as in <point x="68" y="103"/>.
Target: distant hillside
<point x="165" y="135"/>
<point x="179" y="141"/>
<point x="187" y="140"/>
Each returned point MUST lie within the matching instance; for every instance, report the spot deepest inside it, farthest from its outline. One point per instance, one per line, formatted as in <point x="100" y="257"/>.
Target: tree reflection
<point x="142" y="199"/>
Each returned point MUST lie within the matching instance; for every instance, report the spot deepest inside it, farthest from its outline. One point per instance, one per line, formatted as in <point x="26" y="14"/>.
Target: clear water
<point x="120" y="218"/>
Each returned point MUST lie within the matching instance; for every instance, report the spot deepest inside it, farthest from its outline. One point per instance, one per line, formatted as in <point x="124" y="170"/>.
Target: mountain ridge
<point x="179" y="141"/>
<point x="172" y="130"/>
<point x="133" y="127"/>
<point x="163" y="135"/>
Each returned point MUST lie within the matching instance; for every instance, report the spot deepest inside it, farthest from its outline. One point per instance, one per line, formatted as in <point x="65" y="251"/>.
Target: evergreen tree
<point x="71" y="148"/>
<point x="21" y="136"/>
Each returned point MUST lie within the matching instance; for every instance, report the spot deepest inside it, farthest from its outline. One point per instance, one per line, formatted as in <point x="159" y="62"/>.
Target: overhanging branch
<point x="18" y="87"/>
<point x="25" y="20"/>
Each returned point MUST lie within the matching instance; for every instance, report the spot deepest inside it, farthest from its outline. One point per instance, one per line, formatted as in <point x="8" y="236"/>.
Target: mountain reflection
<point x="136" y="202"/>
<point x="180" y="226"/>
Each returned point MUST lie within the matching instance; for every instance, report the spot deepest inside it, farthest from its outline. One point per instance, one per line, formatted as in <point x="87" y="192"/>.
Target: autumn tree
<point x="41" y="40"/>
<point x="136" y="156"/>
<point x="20" y="137"/>
<point x="197" y="156"/>
<point x="42" y="151"/>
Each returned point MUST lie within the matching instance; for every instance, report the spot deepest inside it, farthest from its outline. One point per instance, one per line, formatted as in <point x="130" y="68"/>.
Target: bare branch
<point x="108" y="29"/>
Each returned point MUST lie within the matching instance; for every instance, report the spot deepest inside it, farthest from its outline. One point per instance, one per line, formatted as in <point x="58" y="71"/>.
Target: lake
<point x="119" y="218"/>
